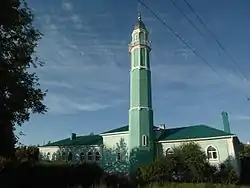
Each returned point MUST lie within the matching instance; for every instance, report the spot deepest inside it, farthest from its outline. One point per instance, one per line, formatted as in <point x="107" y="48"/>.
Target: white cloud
<point x="55" y="83"/>
<point x="60" y="104"/>
<point x="242" y="117"/>
<point x="91" y="64"/>
<point x="67" y="6"/>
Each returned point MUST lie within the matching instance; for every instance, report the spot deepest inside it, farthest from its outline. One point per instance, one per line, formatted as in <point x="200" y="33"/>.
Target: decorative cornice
<point x="139" y="67"/>
<point x="140" y="108"/>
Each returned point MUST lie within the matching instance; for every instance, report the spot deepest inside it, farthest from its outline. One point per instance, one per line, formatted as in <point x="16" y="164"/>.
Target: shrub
<point x="187" y="163"/>
<point x="29" y="174"/>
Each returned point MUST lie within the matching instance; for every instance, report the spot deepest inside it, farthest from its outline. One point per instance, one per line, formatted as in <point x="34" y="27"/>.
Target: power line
<point x="216" y="39"/>
<point x="188" y="19"/>
<point x="196" y="28"/>
<point x="179" y="37"/>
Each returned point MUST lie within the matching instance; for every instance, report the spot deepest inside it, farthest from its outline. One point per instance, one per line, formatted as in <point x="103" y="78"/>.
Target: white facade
<point x="218" y="149"/>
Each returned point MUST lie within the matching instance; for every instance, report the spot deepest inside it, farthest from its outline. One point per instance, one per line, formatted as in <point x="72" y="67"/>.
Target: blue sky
<point x="85" y="47"/>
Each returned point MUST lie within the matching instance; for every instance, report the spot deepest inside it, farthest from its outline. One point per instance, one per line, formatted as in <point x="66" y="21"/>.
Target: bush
<point x="29" y="174"/>
<point x="24" y="153"/>
<point x="188" y="163"/>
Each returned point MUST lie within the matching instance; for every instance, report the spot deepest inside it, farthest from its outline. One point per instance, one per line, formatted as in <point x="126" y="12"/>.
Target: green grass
<point x="193" y="185"/>
<point x="190" y="185"/>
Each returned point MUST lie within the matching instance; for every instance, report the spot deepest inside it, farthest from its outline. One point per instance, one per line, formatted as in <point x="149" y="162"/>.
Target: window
<point x="142" y="56"/>
<point x="53" y="157"/>
<point x="136" y="53"/>
<point x="63" y="155"/>
<point x="136" y="37"/>
<point x="144" y="140"/>
<point x="97" y="156"/>
<point x="118" y="156"/>
<point x="90" y="156"/>
<point x="70" y="156"/>
<point x="142" y="36"/>
<point x="212" y="153"/>
<point x="48" y="156"/>
<point x="82" y="156"/>
<point x="169" y="151"/>
<point x="147" y="60"/>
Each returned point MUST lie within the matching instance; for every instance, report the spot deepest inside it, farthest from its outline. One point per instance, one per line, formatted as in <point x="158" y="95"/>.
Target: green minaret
<point x="140" y="112"/>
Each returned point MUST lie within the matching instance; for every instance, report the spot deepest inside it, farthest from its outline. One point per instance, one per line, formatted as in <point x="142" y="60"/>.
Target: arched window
<point x="90" y="156"/>
<point x="169" y="151"/>
<point x="63" y="154"/>
<point x="212" y="153"/>
<point x="70" y="156"/>
<point x="48" y="156"/>
<point x="118" y="156"/>
<point x="142" y="36"/>
<point x="136" y="36"/>
<point x="97" y="156"/>
<point x="82" y="156"/>
<point x="53" y="156"/>
<point x="144" y="140"/>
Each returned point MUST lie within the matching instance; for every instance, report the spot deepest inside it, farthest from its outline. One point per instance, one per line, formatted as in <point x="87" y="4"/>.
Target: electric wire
<point x="198" y="30"/>
<point x="222" y="47"/>
<point x="175" y="34"/>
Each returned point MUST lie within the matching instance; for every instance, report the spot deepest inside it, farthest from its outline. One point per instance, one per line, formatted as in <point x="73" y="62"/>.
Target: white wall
<point x="224" y="146"/>
<point x="75" y="150"/>
<point x="111" y="140"/>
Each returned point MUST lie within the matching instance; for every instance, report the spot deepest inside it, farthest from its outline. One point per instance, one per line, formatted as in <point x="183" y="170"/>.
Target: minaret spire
<point x="139" y="16"/>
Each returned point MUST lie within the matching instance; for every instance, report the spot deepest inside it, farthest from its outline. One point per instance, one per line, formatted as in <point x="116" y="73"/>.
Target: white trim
<point x="140" y="108"/>
<point x="138" y="30"/>
<point x="139" y="67"/>
<point x="169" y="151"/>
<point x="196" y="139"/>
<point x="139" y="45"/>
<point x="114" y="133"/>
<point x="144" y="140"/>
<point x="66" y="146"/>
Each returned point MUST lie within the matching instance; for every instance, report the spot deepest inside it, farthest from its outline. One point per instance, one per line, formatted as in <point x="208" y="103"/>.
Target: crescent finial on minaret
<point x="139" y="16"/>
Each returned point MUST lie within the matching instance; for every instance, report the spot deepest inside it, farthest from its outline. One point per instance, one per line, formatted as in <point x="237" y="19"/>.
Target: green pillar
<point x="225" y="120"/>
<point x="141" y="140"/>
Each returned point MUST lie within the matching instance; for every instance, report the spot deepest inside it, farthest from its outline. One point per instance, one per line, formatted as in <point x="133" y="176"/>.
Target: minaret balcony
<point x="141" y="43"/>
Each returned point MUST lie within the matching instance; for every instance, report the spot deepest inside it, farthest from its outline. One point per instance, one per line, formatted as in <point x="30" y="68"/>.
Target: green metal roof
<point x="191" y="132"/>
<point x="79" y="140"/>
<point x="117" y="130"/>
<point x="120" y="129"/>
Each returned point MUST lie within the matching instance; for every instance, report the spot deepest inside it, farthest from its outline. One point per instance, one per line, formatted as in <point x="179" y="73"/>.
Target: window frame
<point x="211" y="151"/>
<point x="169" y="151"/>
<point x="144" y="140"/>
<point x="82" y="156"/>
<point x="97" y="154"/>
<point x="118" y="156"/>
<point x="90" y="153"/>
<point x="70" y="156"/>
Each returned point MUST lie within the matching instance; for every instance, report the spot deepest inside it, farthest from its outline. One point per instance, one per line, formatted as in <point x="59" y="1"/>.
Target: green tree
<point x="193" y="160"/>
<point x="24" y="153"/>
<point x="20" y="94"/>
<point x="188" y="162"/>
<point x="246" y="150"/>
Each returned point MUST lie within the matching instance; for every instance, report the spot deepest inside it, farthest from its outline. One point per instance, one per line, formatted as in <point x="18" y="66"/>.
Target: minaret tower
<point x="140" y="112"/>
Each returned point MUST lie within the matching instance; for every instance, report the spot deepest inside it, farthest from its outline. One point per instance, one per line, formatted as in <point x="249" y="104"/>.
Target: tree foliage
<point x="27" y="153"/>
<point x="245" y="150"/>
<point x="187" y="163"/>
<point x="20" y="94"/>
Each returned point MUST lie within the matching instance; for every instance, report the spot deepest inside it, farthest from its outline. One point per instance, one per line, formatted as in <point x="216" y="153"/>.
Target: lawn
<point x="191" y="185"/>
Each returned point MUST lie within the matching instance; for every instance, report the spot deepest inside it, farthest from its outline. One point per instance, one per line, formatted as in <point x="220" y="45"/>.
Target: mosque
<point x="125" y="148"/>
